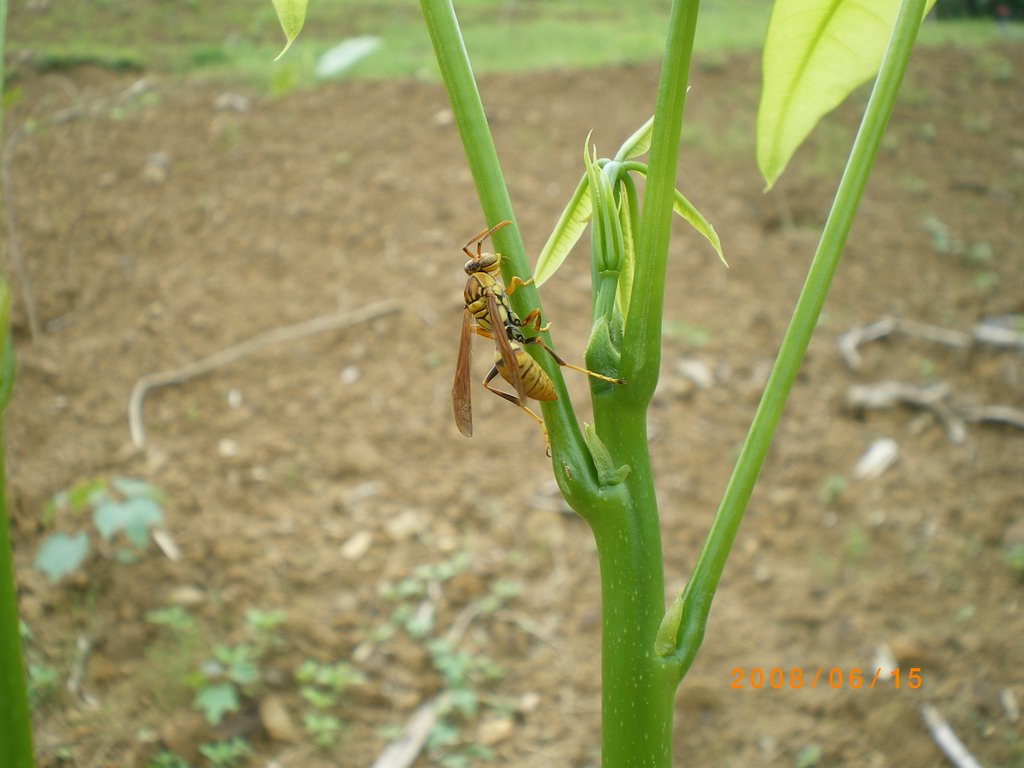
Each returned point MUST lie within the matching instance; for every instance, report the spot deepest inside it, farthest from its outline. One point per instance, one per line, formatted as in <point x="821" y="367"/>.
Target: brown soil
<point x="159" y="228"/>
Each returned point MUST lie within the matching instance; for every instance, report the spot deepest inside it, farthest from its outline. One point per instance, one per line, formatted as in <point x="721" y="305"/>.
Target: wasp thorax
<point x="485" y="262"/>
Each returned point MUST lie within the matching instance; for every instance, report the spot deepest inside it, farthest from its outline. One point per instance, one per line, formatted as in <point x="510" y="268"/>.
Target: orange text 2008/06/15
<point x="796" y="678"/>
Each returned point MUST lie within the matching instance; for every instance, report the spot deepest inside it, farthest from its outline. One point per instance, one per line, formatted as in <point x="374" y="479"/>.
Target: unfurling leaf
<point x="815" y="53"/>
<point x="638" y="143"/>
<point x="566" y="234"/>
<point x="666" y="639"/>
<point x="292" y="15"/>
<point x="684" y="208"/>
<point x="607" y="473"/>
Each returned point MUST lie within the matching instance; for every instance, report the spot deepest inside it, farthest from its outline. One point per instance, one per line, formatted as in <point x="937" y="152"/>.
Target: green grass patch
<point x="238" y="41"/>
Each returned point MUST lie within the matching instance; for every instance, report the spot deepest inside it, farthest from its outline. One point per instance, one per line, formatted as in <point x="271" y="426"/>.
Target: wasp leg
<point x="516" y="402"/>
<point x="533" y="318"/>
<point x="536" y="340"/>
<point x="516" y="282"/>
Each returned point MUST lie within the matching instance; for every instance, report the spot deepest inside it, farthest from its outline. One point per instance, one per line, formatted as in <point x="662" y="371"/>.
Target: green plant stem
<point x="696" y="598"/>
<point x="15" y="719"/>
<point x="574" y="469"/>
<point x="638" y="686"/>
<point x="641" y="355"/>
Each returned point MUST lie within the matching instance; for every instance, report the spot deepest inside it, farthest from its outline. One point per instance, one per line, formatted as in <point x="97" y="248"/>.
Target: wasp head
<point x="484" y="262"/>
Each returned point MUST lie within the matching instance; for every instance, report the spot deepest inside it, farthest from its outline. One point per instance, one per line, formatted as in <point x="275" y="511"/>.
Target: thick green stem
<point x="639" y="685"/>
<point x="696" y="599"/>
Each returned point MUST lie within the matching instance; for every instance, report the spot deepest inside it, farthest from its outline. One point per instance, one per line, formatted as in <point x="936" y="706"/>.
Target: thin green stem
<point x="641" y="356"/>
<point x="15" y="718"/>
<point x="699" y="592"/>
<point x="574" y="469"/>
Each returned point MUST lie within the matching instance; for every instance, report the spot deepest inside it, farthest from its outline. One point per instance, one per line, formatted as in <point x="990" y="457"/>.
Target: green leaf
<point x="566" y="233"/>
<point x="131" y="487"/>
<point x="292" y="15"/>
<point x="815" y="53"/>
<point x="685" y="208"/>
<point x="61" y="554"/>
<point x="317" y="698"/>
<point x="638" y="143"/>
<point x="216" y="700"/>
<point x="135" y="517"/>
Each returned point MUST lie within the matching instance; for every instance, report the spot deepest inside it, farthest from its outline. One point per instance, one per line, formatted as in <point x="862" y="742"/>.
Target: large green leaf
<point x="292" y="15"/>
<point x="815" y="53"/>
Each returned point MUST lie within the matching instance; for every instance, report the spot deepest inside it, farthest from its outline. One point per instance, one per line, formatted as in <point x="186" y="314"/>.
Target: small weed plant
<point x="467" y="674"/>
<point x="122" y="511"/>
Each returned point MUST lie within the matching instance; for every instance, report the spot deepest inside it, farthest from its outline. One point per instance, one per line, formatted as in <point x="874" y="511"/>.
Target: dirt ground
<point x="160" y="223"/>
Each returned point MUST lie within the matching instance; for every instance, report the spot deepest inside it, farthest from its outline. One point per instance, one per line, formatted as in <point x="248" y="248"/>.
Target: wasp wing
<point x="499" y="328"/>
<point x="461" y="389"/>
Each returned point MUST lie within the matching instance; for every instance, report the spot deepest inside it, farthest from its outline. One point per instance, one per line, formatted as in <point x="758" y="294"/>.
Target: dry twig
<point x="997" y="331"/>
<point x="403" y="752"/>
<point x="231" y="354"/>
<point x="948" y="742"/>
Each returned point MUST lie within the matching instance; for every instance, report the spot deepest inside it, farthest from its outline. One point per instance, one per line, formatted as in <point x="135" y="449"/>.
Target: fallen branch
<point x="1000" y="331"/>
<point x="936" y="398"/>
<point x="231" y="354"/>
<point x="947" y="740"/>
<point x="932" y="397"/>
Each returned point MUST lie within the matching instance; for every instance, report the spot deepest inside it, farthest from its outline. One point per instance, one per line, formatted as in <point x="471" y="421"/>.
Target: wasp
<point x="488" y="313"/>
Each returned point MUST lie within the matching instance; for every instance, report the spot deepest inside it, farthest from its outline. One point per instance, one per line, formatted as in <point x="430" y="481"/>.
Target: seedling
<point x="226" y="754"/>
<point x="223" y="679"/>
<point x="123" y="510"/>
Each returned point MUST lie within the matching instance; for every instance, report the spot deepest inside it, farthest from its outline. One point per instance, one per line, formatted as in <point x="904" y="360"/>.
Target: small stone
<point x="232" y="102"/>
<point x="528" y="702"/>
<point x="877" y="459"/>
<point x="404" y="525"/>
<point x="761" y="574"/>
<point x="494" y="730"/>
<point x="276" y="720"/>
<point x="156" y="169"/>
<point x="350" y="374"/>
<point x="357" y="545"/>
<point x="227" y="448"/>
<point x="187" y="596"/>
